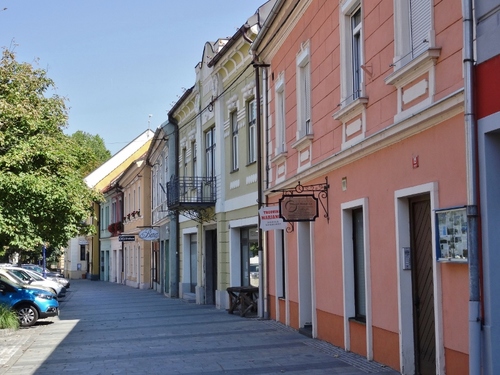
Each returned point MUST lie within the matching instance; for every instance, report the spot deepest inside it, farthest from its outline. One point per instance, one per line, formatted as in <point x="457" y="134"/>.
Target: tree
<point x="96" y="150"/>
<point x="43" y="198"/>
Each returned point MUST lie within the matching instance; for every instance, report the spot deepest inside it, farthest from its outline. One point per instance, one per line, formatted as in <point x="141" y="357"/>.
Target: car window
<point x="22" y="275"/>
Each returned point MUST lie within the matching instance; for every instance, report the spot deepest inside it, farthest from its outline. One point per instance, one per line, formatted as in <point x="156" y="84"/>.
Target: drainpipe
<point x="472" y="207"/>
<point x="266" y="179"/>
<point x="262" y="260"/>
<point x="172" y="130"/>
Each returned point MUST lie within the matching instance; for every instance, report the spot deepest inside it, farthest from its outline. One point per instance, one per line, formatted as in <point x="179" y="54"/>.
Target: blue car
<point x="31" y="304"/>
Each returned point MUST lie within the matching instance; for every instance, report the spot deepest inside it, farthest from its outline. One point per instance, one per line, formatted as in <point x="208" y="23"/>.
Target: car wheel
<point x="28" y="315"/>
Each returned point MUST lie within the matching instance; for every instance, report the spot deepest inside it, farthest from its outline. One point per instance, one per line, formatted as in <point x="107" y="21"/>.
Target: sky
<point x="121" y="64"/>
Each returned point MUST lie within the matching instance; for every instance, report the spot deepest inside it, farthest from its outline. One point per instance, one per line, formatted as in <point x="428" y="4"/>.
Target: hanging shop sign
<point x="270" y="218"/>
<point x="149" y="234"/>
<point x="300" y="203"/>
<point x="126" y="237"/>
<point x="298" y="207"/>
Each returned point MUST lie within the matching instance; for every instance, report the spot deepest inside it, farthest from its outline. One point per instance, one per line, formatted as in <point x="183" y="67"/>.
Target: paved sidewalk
<point x="105" y="328"/>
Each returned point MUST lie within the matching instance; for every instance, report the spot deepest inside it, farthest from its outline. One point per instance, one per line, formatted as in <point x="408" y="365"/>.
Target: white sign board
<point x="149" y="234"/>
<point x="270" y="218"/>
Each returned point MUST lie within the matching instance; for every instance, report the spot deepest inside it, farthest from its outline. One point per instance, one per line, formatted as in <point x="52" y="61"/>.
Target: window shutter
<point x="420" y="19"/>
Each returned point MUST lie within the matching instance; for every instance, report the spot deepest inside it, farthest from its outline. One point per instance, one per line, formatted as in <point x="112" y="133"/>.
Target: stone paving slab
<point x="106" y="328"/>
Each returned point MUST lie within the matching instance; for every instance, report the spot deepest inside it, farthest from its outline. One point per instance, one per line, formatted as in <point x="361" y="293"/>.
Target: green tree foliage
<point x="43" y="198"/>
<point x="95" y="149"/>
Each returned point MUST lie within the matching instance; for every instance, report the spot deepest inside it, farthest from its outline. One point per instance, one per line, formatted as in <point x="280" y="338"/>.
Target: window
<point x="185" y="170"/>
<point x="166" y="177"/>
<point x="234" y="141"/>
<point x="352" y="51"/>
<point x="304" y="126"/>
<point x="135" y="201"/>
<point x="193" y="157"/>
<point x="185" y="164"/>
<point x="413" y="29"/>
<point x="114" y="218"/>
<point x="210" y="153"/>
<point x="252" y="136"/>
<point x="249" y="256"/>
<point x="359" y="264"/>
<point x="356" y="53"/>
<point x="82" y="252"/>
<point x="280" y="115"/>
<point x="106" y="217"/>
<point x="356" y="262"/>
<point x="193" y="262"/>
<point x="102" y="219"/>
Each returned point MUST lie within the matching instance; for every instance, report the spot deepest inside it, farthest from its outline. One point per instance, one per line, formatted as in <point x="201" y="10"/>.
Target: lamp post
<point x="44" y="260"/>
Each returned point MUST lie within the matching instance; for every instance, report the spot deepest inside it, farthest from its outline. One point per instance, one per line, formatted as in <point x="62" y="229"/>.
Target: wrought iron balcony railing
<point x="191" y="192"/>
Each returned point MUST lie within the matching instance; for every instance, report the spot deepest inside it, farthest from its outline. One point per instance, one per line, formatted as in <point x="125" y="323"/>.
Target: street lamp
<point x="44" y="260"/>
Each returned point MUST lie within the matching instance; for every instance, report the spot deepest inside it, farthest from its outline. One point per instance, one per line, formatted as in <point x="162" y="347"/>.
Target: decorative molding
<point x="234" y="184"/>
<point x="251" y="179"/>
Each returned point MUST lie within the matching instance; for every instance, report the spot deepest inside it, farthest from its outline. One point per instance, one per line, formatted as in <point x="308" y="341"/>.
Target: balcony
<point x="191" y="193"/>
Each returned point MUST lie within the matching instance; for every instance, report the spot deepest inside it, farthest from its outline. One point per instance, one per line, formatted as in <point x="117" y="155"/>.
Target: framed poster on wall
<point x="451" y="233"/>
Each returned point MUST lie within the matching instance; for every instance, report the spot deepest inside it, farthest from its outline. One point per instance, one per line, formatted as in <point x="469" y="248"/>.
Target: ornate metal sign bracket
<point x="319" y="191"/>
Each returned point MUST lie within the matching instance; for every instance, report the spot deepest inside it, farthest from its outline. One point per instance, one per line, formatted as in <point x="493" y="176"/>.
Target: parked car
<point x="33" y="278"/>
<point x="56" y="276"/>
<point x="30" y="304"/>
<point x="15" y="279"/>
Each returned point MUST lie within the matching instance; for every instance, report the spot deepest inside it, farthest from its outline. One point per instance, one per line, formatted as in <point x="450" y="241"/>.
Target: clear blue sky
<point x="118" y="61"/>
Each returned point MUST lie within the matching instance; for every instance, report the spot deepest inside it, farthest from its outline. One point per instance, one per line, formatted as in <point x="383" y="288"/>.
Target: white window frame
<point x="348" y="271"/>
<point x="304" y="124"/>
<point x="280" y="129"/>
<point x="348" y="70"/>
<point x="407" y="45"/>
<point x="193" y="157"/>
<point x="210" y="153"/>
<point x="234" y="141"/>
<point x="252" y="130"/>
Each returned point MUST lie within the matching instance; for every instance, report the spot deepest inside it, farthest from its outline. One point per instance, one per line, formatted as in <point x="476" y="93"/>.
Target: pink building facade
<point x="365" y="118"/>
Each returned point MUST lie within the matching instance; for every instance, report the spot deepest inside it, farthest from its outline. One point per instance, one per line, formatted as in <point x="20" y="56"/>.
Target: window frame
<point x="351" y="64"/>
<point x="303" y="66"/>
<point x="194" y="159"/>
<point x="280" y="115"/>
<point x="83" y="249"/>
<point x="404" y="40"/>
<point x="251" y="107"/>
<point x="234" y="141"/>
<point x="210" y="144"/>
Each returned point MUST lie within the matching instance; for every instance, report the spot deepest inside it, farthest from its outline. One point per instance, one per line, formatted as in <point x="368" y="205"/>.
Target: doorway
<point x="424" y="330"/>
<point x="211" y="266"/>
<point x="193" y="262"/>
<point x="305" y="278"/>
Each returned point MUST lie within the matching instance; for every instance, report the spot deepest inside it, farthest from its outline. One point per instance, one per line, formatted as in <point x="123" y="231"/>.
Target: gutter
<point x="472" y="195"/>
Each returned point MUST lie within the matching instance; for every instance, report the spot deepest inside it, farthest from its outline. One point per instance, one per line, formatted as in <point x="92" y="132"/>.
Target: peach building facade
<point x="366" y="119"/>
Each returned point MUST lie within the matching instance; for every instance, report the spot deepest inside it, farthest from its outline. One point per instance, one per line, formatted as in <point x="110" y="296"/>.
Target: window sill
<point x="416" y="67"/>
<point x="279" y="157"/>
<point x="351" y="110"/>
<point x="303" y="142"/>
<point x="358" y="320"/>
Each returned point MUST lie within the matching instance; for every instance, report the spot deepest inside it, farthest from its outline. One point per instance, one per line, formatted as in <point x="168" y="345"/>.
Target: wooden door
<point x="423" y="286"/>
